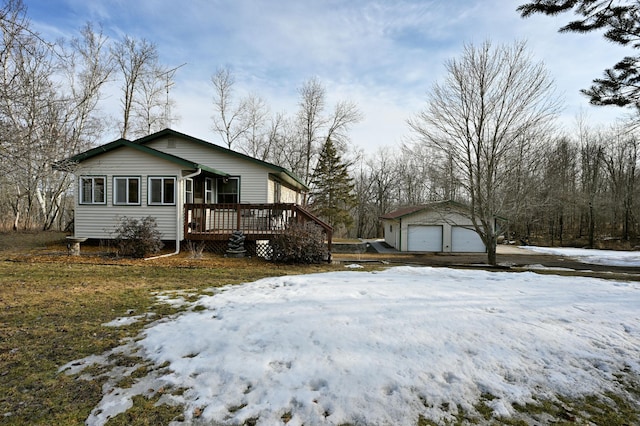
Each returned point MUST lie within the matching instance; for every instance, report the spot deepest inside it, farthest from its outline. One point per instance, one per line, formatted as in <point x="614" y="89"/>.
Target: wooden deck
<point x="256" y="221"/>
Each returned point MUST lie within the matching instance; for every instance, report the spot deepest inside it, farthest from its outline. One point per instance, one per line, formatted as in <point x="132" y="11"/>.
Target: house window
<point x="227" y="189"/>
<point x="92" y="190"/>
<point x="162" y="191"/>
<point x="188" y="191"/>
<point x="208" y="190"/>
<point x="277" y="192"/>
<point x="126" y="191"/>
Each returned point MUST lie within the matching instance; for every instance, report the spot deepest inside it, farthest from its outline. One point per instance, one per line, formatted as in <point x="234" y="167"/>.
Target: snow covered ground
<point x="382" y="347"/>
<point x="592" y="256"/>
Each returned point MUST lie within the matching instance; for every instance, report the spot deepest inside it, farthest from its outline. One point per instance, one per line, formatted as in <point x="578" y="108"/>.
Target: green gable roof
<point x="281" y="172"/>
<point x="102" y="149"/>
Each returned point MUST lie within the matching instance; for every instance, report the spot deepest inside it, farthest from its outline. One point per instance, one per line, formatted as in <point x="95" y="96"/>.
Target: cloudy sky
<point x="382" y="54"/>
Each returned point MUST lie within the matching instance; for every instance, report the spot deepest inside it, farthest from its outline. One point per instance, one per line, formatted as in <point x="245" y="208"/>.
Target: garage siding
<point x="443" y="229"/>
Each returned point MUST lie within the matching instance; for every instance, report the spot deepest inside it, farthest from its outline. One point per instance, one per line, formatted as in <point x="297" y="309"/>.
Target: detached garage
<point x="437" y="227"/>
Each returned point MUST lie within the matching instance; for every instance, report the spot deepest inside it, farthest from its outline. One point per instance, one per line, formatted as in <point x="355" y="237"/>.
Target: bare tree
<point x="620" y="159"/>
<point x="134" y="58"/>
<point x="344" y="115"/>
<point x="315" y="125"/>
<point x="285" y="147"/>
<point x="148" y="104"/>
<point x="256" y="140"/>
<point x="87" y="66"/>
<point x="48" y="100"/>
<point x="311" y="121"/>
<point x="591" y="160"/>
<point x="229" y="119"/>
<point x="556" y="198"/>
<point x="384" y="177"/>
<point x="489" y="101"/>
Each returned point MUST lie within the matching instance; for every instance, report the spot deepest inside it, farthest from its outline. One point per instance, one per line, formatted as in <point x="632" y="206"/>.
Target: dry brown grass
<point x="52" y="307"/>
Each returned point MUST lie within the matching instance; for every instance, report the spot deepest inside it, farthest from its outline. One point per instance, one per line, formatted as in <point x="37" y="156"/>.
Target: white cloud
<point x="383" y="54"/>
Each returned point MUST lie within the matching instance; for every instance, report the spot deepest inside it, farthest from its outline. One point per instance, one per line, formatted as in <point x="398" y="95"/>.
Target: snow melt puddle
<point x="385" y="347"/>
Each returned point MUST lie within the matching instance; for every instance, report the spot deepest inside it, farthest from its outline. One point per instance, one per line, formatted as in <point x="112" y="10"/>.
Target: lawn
<point x="53" y="309"/>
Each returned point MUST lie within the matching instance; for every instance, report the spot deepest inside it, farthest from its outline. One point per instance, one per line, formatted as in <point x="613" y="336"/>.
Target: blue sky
<point x="382" y="54"/>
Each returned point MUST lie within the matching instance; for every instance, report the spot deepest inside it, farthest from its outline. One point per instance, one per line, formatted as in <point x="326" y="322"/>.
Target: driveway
<point x="509" y="257"/>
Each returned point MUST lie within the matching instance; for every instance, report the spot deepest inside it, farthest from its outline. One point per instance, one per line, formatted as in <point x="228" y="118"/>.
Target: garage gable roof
<point x="408" y="211"/>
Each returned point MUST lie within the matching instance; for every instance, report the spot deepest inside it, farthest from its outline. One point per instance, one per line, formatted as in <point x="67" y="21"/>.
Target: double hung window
<point x="92" y="190"/>
<point x="162" y="191"/>
<point x="188" y="191"/>
<point x="208" y="190"/>
<point x="126" y="191"/>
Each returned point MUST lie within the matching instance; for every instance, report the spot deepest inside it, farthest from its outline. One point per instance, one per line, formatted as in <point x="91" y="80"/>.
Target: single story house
<point x="443" y="227"/>
<point x="194" y="189"/>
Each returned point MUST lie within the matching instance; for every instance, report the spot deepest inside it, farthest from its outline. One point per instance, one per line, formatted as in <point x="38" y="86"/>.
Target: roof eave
<point x="102" y="149"/>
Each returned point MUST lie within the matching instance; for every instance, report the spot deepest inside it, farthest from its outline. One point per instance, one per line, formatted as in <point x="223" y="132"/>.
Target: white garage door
<point x="466" y="240"/>
<point x="424" y="238"/>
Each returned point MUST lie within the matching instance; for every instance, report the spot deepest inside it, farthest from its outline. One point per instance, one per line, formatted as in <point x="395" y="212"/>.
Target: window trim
<point x="209" y="190"/>
<point x="127" y="202"/>
<point x="163" y="179"/>
<point x="237" y="193"/>
<point x="93" y="178"/>
<point x="277" y="191"/>
<point x="189" y="191"/>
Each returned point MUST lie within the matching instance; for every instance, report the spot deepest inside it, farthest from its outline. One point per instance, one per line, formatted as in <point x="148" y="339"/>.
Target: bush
<point x="138" y="237"/>
<point x="300" y="243"/>
<point x="196" y="249"/>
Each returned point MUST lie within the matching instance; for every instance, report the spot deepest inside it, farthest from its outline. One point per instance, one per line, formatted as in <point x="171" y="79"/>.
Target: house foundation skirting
<point x="259" y="248"/>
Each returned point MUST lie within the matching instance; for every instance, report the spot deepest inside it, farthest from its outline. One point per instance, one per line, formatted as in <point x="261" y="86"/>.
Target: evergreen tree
<point x="332" y="188"/>
<point x="620" y="20"/>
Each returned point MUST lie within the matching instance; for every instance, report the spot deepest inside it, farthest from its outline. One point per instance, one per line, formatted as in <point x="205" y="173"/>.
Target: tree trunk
<point x="592" y="226"/>
<point x="492" y="258"/>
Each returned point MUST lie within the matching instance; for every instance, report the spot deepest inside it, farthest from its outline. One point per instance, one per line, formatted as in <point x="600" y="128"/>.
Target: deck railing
<point x="256" y="221"/>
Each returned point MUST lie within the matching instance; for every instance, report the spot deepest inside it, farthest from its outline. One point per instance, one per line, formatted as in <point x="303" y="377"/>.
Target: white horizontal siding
<point x="254" y="177"/>
<point x="391" y="233"/>
<point x="287" y="194"/>
<point x="100" y="221"/>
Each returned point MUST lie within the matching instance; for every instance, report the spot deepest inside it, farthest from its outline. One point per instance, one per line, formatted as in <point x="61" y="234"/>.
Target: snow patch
<point x="386" y="347"/>
<point x="354" y="266"/>
<point x="592" y="256"/>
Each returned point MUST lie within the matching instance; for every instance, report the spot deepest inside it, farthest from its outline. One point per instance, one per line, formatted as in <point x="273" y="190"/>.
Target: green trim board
<point x="281" y="172"/>
<point x="102" y="149"/>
